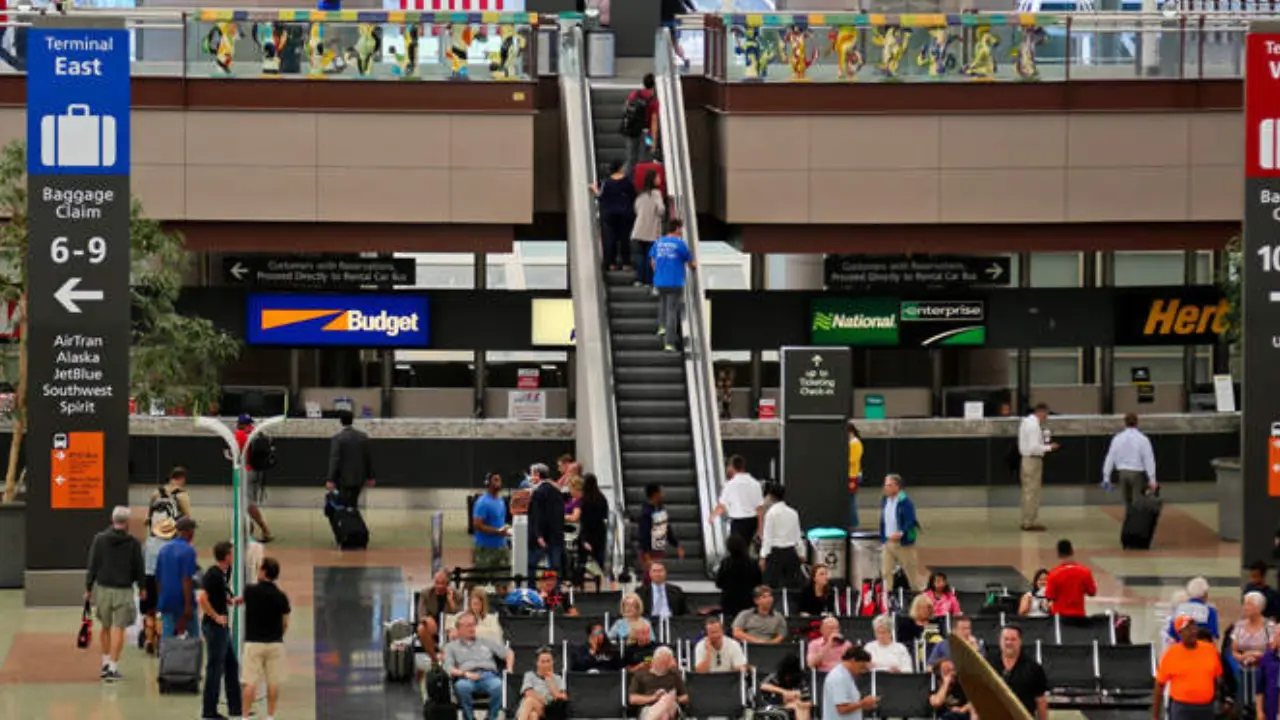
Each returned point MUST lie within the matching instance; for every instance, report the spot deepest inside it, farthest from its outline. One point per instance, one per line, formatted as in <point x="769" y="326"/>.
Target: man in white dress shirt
<point x="1131" y="458"/>
<point x="742" y="500"/>
<point x="1032" y="446"/>
<point x="781" y="543"/>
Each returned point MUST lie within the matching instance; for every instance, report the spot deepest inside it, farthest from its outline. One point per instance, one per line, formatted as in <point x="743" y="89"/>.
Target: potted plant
<point x="174" y="359"/>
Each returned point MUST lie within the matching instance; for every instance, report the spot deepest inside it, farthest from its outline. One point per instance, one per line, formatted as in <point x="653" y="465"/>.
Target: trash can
<point x="829" y="546"/>
<point x="600" y="54"/>
<point x="865" y="552"/>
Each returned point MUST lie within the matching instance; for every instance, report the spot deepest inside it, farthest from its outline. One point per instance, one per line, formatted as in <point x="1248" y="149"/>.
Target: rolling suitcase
<point x="349" y="530"/>
<point x="1140" y="520"/>
<point x="180" y="664"/>
<point x="397" y="650"/>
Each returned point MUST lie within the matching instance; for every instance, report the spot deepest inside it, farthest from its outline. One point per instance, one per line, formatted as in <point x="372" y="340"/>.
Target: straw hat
<point x="164" y="528"/>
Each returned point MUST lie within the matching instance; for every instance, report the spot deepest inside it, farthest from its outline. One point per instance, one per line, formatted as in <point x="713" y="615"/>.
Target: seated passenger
<point x="632" y="611"/>
<point x="487" y="625"/>
<point x="717" y="653"/>
<point x="553" y="599"/>
<point x="948" y="699"/>
<point x="887" y="655"/>
<point x="597" y="654"/>
<point x="762" y="624"/>
<point x="640" y="652"/>
<point x="542" y="693"/>
<point x="826" y="652"/>
<point x="659" y="690"/>
<point x="787" y="688"/>
<point x="944" y="598"/>
<point x="437" y="600"/>
<point x="472" y="662"/>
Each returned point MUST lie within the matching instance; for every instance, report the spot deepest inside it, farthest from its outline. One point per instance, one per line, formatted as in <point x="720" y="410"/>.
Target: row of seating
<point x="556" y="627"/>
<point x="1079" y="676"/>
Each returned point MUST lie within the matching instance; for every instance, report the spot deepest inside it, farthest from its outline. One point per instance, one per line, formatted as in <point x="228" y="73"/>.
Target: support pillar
<point x="757" y="355"/>
<point x="1188" y="351"/>
<point x="1022" y="391"/>
<point x="1107" y="374"/>
<point x="480" y="282"/>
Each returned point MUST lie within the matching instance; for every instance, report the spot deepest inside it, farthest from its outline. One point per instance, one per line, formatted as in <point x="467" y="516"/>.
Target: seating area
<point x="1085" y="667"/>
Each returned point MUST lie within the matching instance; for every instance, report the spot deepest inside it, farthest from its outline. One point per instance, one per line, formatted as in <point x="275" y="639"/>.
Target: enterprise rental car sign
<point x="322" y="319"/>
<point x="890" y="322"/>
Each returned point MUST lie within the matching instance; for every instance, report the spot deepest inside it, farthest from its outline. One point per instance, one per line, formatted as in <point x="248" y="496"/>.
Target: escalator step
<point x="666" y="478"/>
<point x="631" y="293"/>
<point x="657" y="459"/>
<point x="647" y="310"/>
<point x="647" y="358"/>
<point x="653" y="425"/>
<point x="665" y="409"/>
<point x="631" y="391"/>
<point x="682" y="443"/>
<point x="637" y="341"/>
<point x="628" y="375"/>
<point x="683" y="496"/>
<point x="639" y="325"/>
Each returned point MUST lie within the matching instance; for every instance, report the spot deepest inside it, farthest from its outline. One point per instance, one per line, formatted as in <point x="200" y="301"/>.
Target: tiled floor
<point x="340" y="600"/>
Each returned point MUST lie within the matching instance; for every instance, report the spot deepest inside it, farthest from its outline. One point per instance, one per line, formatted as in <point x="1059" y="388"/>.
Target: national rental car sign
<point x="889" y="322"/>
<point x="318" y="320"/>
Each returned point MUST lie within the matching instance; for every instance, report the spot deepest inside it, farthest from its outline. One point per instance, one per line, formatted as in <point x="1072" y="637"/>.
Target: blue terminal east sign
<point x="329" y="320"/>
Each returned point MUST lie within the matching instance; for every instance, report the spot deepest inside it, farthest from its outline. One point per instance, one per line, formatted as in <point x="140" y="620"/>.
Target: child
<point x="656" y="531"/>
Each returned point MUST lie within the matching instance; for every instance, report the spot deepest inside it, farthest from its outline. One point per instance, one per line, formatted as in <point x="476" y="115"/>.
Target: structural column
<point x="481" y="280"/>
<point x="757" y="355"/>
<point x="1188" y="351"/>
<point x="1107" y="374"/>
<point x="1022" y="399"/>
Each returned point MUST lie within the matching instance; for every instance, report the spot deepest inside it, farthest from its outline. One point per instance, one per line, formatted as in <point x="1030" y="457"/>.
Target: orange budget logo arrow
<point x="272" y="319"/>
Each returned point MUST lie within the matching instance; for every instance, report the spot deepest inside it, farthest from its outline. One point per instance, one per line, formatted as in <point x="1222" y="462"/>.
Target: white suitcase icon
<point x="78" y="139"/>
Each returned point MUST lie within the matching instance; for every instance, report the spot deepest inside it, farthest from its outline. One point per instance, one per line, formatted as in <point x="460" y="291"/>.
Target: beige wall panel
<point x="767" y="196"/>
<point x="223" y="192"/>
<point x="872" y="142"/>
<point x="871" y="196"/>
<point x="275" y="139"/>
<point x="367" y="194"/>
<point x="490" y="196"/>
<point x="765" y="142"/>
<point x="1002" y="195"/>
<point x="1125" y="140"/>
<point x="384" y="140"/>
<point x="1127" y="194"/>
<point x="1003" y="141"/>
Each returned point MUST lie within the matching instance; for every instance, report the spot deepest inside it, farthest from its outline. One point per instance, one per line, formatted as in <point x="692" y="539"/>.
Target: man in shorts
<point x="266" y="618"/>
<point x="115" y="567"/>
<point x="491" y="558"/>
<point x="255" y="478"/>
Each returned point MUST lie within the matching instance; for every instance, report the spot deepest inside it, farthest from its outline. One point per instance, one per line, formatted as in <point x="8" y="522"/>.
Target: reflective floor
<point x="341" y="599"/>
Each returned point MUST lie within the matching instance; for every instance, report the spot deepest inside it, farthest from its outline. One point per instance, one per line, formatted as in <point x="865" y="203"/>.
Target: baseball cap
<point x="244" y="419"/>
<point x="1181" y="622"/>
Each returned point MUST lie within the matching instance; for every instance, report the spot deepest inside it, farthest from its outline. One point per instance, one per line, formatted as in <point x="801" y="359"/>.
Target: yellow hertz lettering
<point x="1172" y="317"/>
<point x="343" y="321"/>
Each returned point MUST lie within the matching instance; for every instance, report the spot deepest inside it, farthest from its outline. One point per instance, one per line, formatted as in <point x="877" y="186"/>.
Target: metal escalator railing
<point x="703" y="410"/>
<point x="597" y="420"/>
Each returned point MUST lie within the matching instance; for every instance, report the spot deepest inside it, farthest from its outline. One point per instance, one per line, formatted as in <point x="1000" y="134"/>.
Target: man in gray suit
<point x="350" y="462"/>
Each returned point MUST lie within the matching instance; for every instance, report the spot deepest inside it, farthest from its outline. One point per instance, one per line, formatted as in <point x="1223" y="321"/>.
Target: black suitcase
<point x="436" y="711"/>
<point x="1140" y="520"/>
<point x="349" y="529"/>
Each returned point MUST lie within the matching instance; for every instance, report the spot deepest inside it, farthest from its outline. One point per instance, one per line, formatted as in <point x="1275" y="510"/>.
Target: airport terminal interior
<point x="991" y="255"/>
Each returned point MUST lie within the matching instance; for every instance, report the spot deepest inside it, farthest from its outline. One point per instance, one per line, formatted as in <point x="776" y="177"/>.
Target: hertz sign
<point x="1195" y="315"/>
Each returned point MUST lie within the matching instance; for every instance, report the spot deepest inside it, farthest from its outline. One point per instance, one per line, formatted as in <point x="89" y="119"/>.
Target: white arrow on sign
<point x="995" y="271"/>
<point x="68" y="295"/>
<point x="60" y="480"/>
<point x="238" y="271"/>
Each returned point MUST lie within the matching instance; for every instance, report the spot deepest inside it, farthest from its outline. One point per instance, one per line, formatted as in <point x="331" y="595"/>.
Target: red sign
<point x="768" y="409"/>
<point x="528" y="378"/>
<point x="1262" y="105"/>
<point x="77" y="477"/>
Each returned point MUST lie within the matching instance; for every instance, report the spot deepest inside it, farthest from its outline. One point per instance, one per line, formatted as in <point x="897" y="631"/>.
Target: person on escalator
<point x="656" y="533"/>
<point x="651" y="215"/>
<point x="617" y="198"/>
<point x="670" y="256"/>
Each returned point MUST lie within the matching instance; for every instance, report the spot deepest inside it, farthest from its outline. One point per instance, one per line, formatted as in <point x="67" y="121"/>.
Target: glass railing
<point x="597" y="436"/>
<point x="308" y="44"/>
<point x="703" y="409"/>
<point x="965" y="47"/>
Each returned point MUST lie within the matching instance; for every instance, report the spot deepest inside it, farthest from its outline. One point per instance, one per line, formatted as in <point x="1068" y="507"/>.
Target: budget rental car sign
<point x="1260" y="330"/>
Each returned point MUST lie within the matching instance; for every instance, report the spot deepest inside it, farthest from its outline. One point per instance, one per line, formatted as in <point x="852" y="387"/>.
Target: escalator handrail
<point x="575" y="86"/>
<point x="705" y="421"/>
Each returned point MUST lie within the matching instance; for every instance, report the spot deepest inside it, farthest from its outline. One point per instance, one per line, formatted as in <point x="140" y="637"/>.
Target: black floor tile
<point x="351" y="604"/>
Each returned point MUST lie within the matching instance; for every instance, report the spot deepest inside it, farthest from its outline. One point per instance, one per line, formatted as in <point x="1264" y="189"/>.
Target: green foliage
<point x="174" y="359"/>
<point x="1230" y="284"/>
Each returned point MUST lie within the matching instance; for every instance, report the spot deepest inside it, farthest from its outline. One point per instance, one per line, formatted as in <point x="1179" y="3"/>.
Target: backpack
<point x="872" y="603"/>
<point x="522" y="602"/>
<point x="438" y="691"/>
<point x="262" y="452"/>
<point x="635" y="114"/>
<point x="165" y="505"/>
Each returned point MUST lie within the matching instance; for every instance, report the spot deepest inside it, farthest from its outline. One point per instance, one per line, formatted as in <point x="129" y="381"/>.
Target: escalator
<point x="649" y="383"/>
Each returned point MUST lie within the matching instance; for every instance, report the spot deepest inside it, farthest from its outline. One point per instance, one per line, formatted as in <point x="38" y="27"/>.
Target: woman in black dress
<point x="818" y="597"/>
<point x="593" y="522"/>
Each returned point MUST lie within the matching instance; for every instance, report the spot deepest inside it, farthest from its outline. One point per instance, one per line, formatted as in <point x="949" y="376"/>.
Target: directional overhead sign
<point x="77" y="443"/>
<point x="1260" y="259"/>
<point x="852" y="271"/>
<point x="318" y="272"/>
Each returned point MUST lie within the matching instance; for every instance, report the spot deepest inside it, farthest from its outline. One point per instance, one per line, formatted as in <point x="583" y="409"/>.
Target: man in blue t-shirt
<point x="175" y="582"/>
<point x="489" y="520"/>
<point x="669" y="255"/>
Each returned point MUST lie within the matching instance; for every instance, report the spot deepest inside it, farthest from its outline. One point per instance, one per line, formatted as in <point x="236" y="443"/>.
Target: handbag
<point x="84" y="638"/>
